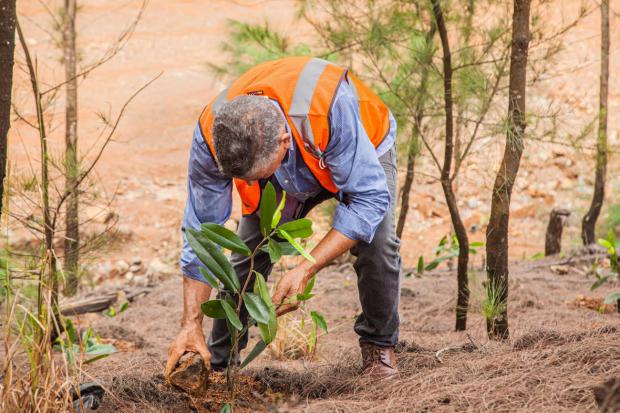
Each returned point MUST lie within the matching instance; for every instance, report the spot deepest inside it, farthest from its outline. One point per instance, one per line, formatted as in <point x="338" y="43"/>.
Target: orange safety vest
<point x="305" y="89"/>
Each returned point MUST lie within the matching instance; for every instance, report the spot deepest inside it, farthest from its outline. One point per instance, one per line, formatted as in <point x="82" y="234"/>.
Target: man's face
<point x="269" y="169"/>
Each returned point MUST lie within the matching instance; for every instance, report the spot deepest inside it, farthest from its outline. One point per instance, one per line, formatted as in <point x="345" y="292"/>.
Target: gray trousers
<point x="377" y="267"/>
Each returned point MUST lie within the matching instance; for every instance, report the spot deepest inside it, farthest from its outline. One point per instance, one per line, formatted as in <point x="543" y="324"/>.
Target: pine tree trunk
<point x="588" y="223"/>
<point x="446" y="180"/>
<point x="412" y="152"/>
<point x="72" y="234"/>
<point x="7" y="49"/>
<point x="497" y="230"/>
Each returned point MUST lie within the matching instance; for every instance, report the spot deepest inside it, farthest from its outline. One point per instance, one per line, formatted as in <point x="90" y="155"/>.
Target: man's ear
<point x="285" y="139"/>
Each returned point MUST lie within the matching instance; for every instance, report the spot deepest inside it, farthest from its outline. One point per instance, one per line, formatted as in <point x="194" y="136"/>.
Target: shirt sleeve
<point x="209" y="199"/>
<point x="356" y="171"/>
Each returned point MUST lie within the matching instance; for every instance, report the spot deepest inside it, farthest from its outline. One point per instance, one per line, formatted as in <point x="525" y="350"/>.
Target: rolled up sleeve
<point x="209" y="199"/>
<point x="356" y="171"/>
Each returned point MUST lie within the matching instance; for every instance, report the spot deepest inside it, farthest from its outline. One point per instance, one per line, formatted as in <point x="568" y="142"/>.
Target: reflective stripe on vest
<point x="306" y="106"/>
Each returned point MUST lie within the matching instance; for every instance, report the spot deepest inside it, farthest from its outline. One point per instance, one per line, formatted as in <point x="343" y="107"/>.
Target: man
<point x="316" y="132"/>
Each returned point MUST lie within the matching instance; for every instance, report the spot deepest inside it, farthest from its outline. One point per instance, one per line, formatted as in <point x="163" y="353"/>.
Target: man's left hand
<point x="292" y="283"/>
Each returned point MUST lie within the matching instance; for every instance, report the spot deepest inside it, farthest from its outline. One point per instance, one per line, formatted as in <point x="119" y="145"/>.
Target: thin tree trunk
<point x="7" y="50"/>
<point x="553" y="237"/>
<point x="72" y="230"/>
<point x="446" y="181"/>
<point x="412" y="152"/>
<point x="588" y="223"/>
<point x="49" y="267"/>
<point x="497" y="230"/>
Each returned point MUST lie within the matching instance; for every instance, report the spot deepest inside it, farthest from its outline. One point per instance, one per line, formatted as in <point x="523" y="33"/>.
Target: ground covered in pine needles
<point x="558" y="353"/>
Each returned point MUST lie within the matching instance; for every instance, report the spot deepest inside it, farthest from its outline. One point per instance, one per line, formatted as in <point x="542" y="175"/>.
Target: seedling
<point x="278" y="240"/>
<point x="88" y="345"/>
<point x="112" y="312"/>
<point x="612" y="247"/>
<point x="444" y="252"/>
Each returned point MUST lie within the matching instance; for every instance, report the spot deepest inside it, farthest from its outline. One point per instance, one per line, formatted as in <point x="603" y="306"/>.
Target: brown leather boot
<point x="378" y="361"/>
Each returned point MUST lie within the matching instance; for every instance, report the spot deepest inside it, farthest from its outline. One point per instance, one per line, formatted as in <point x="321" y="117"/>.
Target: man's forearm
<point x="194" y="294"/>
<point x="333" y="244"/>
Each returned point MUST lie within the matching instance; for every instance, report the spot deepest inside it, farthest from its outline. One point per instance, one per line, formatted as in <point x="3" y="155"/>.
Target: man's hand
<point x="292" y="283"/>
<point x="189" y="339"/>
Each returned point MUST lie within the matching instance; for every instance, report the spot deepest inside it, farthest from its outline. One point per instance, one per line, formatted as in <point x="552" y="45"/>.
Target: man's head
<point x="250" y="139"/>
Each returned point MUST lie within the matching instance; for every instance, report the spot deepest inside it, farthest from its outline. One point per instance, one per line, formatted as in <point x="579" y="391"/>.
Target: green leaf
<point x="267" y="208"/>
<point x="210" y="255"/>
<point x="612" y="298"/>
<point x="97" y="357"/>
<point x="300" y="228"/>
<point x="226" y="408"/>
<point x="124" y="307"/>
<point x="476" y="244"/>
<point x="421" y="265"/>
<point x="209" y="277"/>
<point x="258" y="348"/>
<point x="275" y="251"/>
<point x="296" y="245"/>
<point x="70" y="331"/>
<point x="232" y="316"/>
<point x="307" y="294"/>
<point x="213" y="309"/>
<point x="285" y="247"/>
<point x="319" y="320"/>
<point x="278" y="214"/>
<point x="432" y="265"/>
<point x="260" y="289"/>
<point x="225" y="238"/>
<point x="605" y="243"/>
<point x="99" y="349"/>
<point x="599" y="281"/>
<point x="269" y="330"/>
<point x="256" y="307"/>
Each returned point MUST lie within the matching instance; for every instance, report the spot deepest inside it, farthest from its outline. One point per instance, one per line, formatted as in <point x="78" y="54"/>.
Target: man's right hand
<point x="189" y="339"/>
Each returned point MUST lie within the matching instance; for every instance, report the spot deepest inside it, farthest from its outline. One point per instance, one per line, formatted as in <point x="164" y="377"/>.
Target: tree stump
<point x="191" y="375"/>
<point x="553" y="238"/>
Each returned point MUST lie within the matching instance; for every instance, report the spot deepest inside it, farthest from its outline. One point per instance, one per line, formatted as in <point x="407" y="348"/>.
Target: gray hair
<point x="246" y="132"/>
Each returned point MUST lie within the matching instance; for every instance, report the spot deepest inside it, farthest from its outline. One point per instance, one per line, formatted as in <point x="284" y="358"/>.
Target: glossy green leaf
<point x="421" y="265"/>
<point x="210" y="255"/>
<point x="258" y="348"/>
<point x="296" y="245"/>
<point x="277" y="215"/>
<point x="225" y="238"/>
<point x="300" y="228"/>
<point x="476" y="244"/>
<point x="209" y="277"/>
<point x="213" y="309"/>
<point x="256" y="307"/>
<point x="275" y="251"/>
<point x="269" y="330"/>
<point x="285" y="247"/>
<point x="261" y="289"/>
<point x="231" y="315"/>
<point x="267" y="208"/>
<point x="226" y="408"/>
<point x="319" y="320"/>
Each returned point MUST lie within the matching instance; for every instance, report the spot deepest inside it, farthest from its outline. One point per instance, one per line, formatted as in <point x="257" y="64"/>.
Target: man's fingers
<point x="204" y="353"/>
<point x="286" y="308"/>
<point x="174" y="354"/>
<point x="280" y="294"/>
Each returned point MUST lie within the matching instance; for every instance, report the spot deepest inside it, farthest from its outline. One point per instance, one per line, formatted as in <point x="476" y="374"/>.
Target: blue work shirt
<point x="350" y="157"/>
